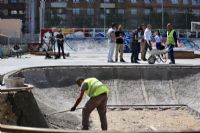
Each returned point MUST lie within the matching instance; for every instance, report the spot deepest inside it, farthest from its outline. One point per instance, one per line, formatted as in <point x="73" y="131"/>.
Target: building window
<point x="13" y="12"/>
<point x="120" y="11"/>
<point x="106" y="1"/>
<point x="159" y="1"/>
<point x="63" y="16"/>
<point x="133" y="1"/>
<point x="121" y="1"/>
<point x="174" y="1"/>
<point x="59" y="11"/>
<point x="195" y="2"/>
<point x="147" y="1"/>
<point x="90" y="1"/>
<point x="196" y="12"/>
<point x="133" y="11"/>
<point x="90" y="11"/>
<point x="159" y="10"/>
<point x="13" y="1"/>
<point x="185" y="2"/>
<point x="21" y="12"/>
<point x="76" y="1"/>
<point x="107" y="11"/>
<point x="76" y="11"/>
<point x="174" y="11"/>
<point x="146" y="11"/>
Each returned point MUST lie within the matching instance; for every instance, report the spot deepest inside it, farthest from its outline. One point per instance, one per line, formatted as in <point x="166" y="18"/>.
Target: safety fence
<point x="95" y="35"/>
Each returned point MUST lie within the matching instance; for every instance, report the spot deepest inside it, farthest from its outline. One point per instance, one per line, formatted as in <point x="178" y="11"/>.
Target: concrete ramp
<point x="55" y="89"/>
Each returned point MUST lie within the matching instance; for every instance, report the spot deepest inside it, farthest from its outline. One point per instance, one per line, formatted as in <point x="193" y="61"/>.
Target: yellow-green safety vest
<point x="170" y="38"/>
<point x="95" y="87"/>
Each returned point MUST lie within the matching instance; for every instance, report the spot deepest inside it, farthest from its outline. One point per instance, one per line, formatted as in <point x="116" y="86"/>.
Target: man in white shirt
<point x="111" y="41"/>
<point x="147" y="38"/>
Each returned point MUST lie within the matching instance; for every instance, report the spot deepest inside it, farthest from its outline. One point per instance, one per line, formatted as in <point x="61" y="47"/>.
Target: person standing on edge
<point x="147" y="38"/>
<point x="135" y="44"/>
<point x="120" y="43"/>
<point x="171" y="41"/>
<point x="142" y="42"/>
<point x="111" y="42"/>
<point x="60" y="42"/>
<point x="97" y="92"/>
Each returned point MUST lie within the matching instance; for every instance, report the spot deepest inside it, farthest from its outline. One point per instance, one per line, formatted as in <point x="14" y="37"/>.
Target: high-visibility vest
<point x="95" y="87"/>
<point x="170" y="38"/>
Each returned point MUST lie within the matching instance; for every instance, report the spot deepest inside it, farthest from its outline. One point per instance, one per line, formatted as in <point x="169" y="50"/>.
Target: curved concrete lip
<point x="27" y="87"/>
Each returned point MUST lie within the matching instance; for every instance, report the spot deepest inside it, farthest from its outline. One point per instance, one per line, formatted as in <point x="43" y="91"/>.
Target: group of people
<point x="116" y="42"/>
<point x="60" y="44"/>
<point x="141" y="42"/>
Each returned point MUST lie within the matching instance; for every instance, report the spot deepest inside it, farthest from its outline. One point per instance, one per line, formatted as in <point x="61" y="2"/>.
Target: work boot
<point x="171" y="62"/>
<point x="110" y="61"/>
<point x="144" y="59"/>
<point x="122" y="60"/>
<point x="57" y="57"/>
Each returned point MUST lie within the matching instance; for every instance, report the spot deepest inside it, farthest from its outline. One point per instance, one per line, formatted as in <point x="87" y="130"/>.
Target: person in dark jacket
<point x="120" y="43"/>
<point x="135" y="45"/>
<point x="60" y="42"/>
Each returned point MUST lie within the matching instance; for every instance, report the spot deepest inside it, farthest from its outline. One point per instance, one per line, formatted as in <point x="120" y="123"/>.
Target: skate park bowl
<point x="141" y="98"/>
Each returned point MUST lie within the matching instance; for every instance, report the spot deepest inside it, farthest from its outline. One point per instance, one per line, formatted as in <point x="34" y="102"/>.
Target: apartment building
<point x="101" y="13"/>
<point x="130" y="13"/>
<point x="13" y="9"/>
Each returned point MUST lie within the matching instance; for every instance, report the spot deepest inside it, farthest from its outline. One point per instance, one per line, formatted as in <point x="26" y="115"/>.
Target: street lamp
<point x="162" y="15"/>
<point x="104" y="23"/>
<point x="42" y="13"/>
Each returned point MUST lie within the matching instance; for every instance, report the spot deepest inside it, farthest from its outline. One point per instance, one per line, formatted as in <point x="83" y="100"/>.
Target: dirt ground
<point x="147" y="120"/>
<point x="6" y="114"/>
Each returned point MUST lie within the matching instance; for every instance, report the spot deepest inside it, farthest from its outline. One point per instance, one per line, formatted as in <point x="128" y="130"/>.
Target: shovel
<point x="63" y="111"/>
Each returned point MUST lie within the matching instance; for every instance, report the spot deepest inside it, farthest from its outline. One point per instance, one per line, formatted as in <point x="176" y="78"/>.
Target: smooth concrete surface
<point x="128" y="84"/>
<point x="55" y="89"/>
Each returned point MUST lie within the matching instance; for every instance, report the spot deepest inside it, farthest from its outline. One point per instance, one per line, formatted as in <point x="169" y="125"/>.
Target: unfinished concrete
<point x="55" y="89"/>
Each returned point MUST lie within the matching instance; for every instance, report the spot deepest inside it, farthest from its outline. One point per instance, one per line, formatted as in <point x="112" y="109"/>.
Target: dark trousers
<point x="100" y="103"/>
<point x="145" y="47"/>
<point x="171" y="52"/>
<point x="159" y="46"/>
<point x="135" y="52"/>
<point x="60" y="46"/>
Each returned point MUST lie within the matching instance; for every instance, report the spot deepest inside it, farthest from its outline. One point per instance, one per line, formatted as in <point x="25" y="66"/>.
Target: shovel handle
<point x="64" y="111"/>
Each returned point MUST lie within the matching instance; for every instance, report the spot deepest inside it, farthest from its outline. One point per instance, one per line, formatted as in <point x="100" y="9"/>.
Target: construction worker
<point x="97" y="92"/>
<point x="171" y="41"/>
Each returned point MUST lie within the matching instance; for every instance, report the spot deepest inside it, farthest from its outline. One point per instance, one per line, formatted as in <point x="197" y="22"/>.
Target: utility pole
<point x="32" y="19"/>
<point x="162" y="15"/>
<point x="104" y="23"/>
<point x="42" y="13"/>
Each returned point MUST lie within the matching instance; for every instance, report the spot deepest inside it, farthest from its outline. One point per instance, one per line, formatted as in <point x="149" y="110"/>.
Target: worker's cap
<point x="79" y="78"/>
